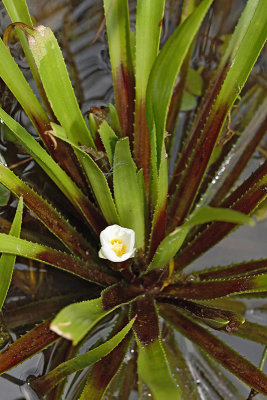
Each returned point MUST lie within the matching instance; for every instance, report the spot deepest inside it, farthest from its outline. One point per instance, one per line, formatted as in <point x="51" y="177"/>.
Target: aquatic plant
<point x="153" y="217"/>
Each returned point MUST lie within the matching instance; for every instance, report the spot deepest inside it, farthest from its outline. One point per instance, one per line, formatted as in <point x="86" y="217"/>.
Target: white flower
<point x="117" y="243"/>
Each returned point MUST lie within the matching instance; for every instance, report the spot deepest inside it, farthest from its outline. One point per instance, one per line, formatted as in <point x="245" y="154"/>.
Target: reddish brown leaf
<point x="213" y="317"/>
<point x="259" y="266"/>
<point x="120" y="294"/>
<point x="141" y="143"/>
<point x="124" y="93"/>
<point x="245" y="198"/>
<point x="219" y="288"/>
<point x="197" y="130"/>
<point x="146" y="325"/>
<point x="25" y="347"/>
<point x="75" y="266"/>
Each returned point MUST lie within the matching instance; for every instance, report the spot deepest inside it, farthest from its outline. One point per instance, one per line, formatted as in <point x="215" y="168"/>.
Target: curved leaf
<point x="74" y="321"/>
<point x="47" y="214"/>
<point x="48" y="382"/>
<point x="7" y="261"/>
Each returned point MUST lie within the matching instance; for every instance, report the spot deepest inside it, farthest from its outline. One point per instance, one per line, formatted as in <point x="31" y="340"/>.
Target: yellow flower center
<point x="118" y="247"/>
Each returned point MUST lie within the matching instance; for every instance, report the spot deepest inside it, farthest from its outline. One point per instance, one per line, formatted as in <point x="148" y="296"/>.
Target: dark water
<point x="76" y="24"/>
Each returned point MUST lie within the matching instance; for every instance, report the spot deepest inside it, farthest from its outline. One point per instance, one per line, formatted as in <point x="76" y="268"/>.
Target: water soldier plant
<point x="145" y="219"/>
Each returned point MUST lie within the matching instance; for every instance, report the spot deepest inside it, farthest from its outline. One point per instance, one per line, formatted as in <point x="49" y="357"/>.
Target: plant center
<point x="118" y="247"/>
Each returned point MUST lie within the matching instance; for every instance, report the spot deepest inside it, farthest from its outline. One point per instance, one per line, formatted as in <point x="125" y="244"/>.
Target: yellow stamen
<point x="118" y="247"/>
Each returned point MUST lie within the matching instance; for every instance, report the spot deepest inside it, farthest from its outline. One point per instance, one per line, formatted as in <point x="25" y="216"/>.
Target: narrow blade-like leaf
<point x="47" y="214"/>
<point x="152" y="365"/>
<point x="7" y="261"/>
<point x="26" y="346"/>
<point x="164" y="72"/>
<point x="55" y="172"/>
<point x="149" y="15"/>
<point x="243" y="51"/>
<point x="218" y="288"/>
<point x="128" y="194"/>
<point x="121" y="58"/>
<point x="45" y="48"/>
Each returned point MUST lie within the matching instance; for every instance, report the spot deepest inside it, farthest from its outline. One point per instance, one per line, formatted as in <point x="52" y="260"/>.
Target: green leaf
<point x="56" y="81"/>
<point x="76" y="320"/>
<point x="165" y="70"/>
<point x="53" y="170"/>
<point x="172" y="243"/>
<point x="18" y="11"/>
<point x="101" y="376"/>
<point x="189" y="102"/>
<point x="154" y="371"/>
<point x="7" y="261"/>
<point x="207" y="214"/>
<point x="4" y="192"/>
<point x="244" y="48"/>
<point x="128" y="193"/>
<point x="48" y="382"/>
<point x="109" y="140"/>
<point x="96" y="177"/>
